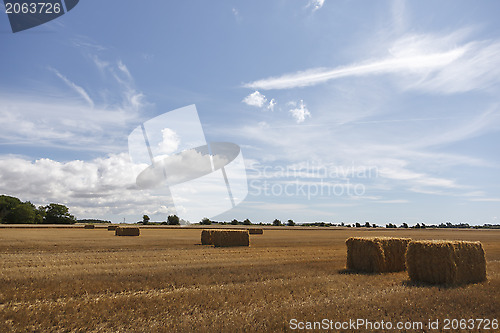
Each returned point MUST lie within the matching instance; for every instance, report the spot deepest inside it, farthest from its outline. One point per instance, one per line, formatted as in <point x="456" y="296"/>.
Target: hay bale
<point x="206" y="237"/>
<point x="446" y="262"/>
<point x="255" y="231"/>
<point x="230" y="238"/>
<point x="112" y="227"/>
<point x="127" y="231"/>
<point x="376" y="254"/>
<point x="89" y="226"/>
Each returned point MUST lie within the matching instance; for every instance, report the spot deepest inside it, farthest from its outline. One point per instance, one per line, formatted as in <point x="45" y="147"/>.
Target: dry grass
<point x="164" y="281"/>
<point x="450" y="262"/>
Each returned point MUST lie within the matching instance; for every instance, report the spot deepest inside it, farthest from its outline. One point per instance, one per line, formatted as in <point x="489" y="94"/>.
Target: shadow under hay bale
<point x="446" y="262"/>
<point x="376" y="254"/>
<point x="223" y="238"/>
<point x="89" y="226"/>
<point x="112" y="227"/>
<point x="256" y="231"/>
<point x="127" y="231"/>
<point x="206" y="237"/>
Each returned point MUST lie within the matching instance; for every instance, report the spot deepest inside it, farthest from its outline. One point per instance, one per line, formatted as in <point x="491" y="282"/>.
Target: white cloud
<point x="440" y="64"/>
<point x="315" y="4"/>
<point x="170" y="141"/>
<point x="100" y="188"/>
<point x="300" y="113"/>
<point x="124" y="69"/>
<point x="272" y="104"/>
<point x="100" y="64"/>
<point x="75" y="87"/>
<point x="255" y="99"/>
<point x="64" y="122"/>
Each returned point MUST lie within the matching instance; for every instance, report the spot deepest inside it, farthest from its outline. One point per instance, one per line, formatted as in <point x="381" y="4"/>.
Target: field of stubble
<point x="64" y="280"/>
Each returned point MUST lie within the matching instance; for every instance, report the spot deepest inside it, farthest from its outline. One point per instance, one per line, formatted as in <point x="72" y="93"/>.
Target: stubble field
<point x="63" y="280"/>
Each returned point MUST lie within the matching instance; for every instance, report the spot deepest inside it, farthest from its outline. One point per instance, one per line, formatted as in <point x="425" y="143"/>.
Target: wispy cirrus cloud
<point x="315" y="4"/>
<point x="94" y="124"/>
<point x="75" y="87"/>
<point x="435" y="63"/>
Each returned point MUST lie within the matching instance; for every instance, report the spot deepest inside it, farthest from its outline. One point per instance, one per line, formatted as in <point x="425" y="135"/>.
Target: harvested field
<point x="60" y="280"/>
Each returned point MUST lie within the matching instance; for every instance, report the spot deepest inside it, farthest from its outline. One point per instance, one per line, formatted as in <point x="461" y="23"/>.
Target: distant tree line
<point x="404" y="225"/>
<point x="92" y="221"/>
<point x="171" y="220"/>
<point x="14" y="211"/>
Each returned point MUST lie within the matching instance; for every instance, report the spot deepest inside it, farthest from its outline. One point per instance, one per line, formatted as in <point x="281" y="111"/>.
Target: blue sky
<point x="345" y="111"/>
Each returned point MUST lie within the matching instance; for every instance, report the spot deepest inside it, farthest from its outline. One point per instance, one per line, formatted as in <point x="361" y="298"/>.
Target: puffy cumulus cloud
<point x="259" y="100"/>
<point x="170" y="141"/>
<point x="99" y="188"/>
<point x="255" y="99"/>
<point x="299" y="112"/>
<point x="49" y="180"/>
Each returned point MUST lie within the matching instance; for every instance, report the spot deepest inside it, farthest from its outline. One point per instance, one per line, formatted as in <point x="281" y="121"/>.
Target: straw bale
<point x="230" y="238"/>
<point x="127" y="231"/>
<point x="255" y="231"/>
<point x="112" y="227"/>
<point x="89" y="226"/>
<point x="446" y="262"/>
<point x="376" y="254"/>
<point x="206" y="237"/>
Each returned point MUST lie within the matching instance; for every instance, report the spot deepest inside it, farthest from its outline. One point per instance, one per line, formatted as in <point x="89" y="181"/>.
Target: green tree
<point x="145" y="219"/>
<point x="24" y="213"/>
<point x="276" y="222"/>
<point x="7" y="205"/>
<point x="173" y="220"/>
<point x="205" y="221"/>
<point x="247" y="222"/>
<point x="235" y="222"/>
<point x="290" y="223"/>
<point x="40" y="215"/>
<point x="58" y="214"/>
